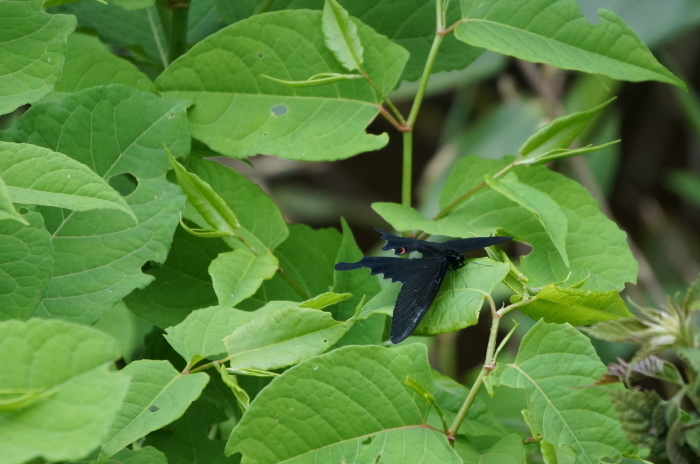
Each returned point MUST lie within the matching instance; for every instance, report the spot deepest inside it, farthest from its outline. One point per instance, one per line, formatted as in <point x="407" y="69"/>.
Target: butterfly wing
<point x="416" y="295"/>
<point x="463" y="245"/>
<point x="396" y="269"/>
<point x="421" y="279"/>
<point x="399" y="245"/>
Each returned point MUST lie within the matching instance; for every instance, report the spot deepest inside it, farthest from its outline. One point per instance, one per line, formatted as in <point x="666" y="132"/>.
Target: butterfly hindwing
<point x="417" y="294"/>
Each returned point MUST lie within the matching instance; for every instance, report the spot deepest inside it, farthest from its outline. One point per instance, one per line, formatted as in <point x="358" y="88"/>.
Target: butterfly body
<point x="421" y="277"/>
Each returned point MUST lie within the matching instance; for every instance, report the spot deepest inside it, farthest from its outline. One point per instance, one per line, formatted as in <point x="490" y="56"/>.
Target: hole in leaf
<point x="279" y="110"/>
<point x="259" y="55"/>
<point x="123" y="183"/>
<point x="368" y="440"/>
<point x="153" y="408"/>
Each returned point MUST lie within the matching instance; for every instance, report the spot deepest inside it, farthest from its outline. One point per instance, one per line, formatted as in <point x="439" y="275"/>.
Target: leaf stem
<point x="466" y="195"/>
<point x="177" y="39"/>
<point x="293" y="284"/>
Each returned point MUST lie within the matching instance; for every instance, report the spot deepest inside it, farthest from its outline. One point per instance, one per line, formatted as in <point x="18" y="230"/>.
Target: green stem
<point x="178" y="28"/>
<point x="263" y="7"/>
<point x="485" y="371"/>
<point x="489" y="361"/>
<point x="407" y="169"/>
<point x="430" y="62"/>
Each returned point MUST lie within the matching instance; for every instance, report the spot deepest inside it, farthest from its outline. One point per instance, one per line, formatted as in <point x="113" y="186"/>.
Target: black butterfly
<point x="421" y="277"/>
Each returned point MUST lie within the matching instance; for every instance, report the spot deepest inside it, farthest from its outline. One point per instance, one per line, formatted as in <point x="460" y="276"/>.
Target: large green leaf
<point x="350" y="405"/>
<point x="554" y="365"/>
<point x="26" y="264"/>
<point x="239" y="112"/>
<point x="157" y="396"/>
<point x="555" y="32"/>
<point x="32" y="48"/>
<point x="409" y="23"/>
<point x="37" y="176"/>
<point x="59" y="392"/>
<point x="596" y="247"/>
<point x="119" y="133"/>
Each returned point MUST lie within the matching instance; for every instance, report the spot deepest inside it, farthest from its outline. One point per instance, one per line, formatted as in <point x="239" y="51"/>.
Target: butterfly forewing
<point x="475" y="243"/>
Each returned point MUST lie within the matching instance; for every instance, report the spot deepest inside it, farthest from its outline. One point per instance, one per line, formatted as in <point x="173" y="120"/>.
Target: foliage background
<point x="648" y="184"/>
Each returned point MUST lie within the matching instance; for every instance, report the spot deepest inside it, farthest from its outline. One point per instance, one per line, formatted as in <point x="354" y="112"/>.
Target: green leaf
<point x="71" y="391"/>
<point x="201" y="334"/>
<point x="145" y="455"/>
<point x="283" y="338"/>
<point x="596" y="247"/>
<point x="542" y="206"/>
<point x="324" y="300"/>
<point x="118" y="132"/>
<point x="555" y="32"/>
<point x="89" y="66"/>
<point x="182" y="283"/>
<point x="190" y="433"/>
<point x="558" y="134"/>
<point x="375" y="417"/>
<point x="361" y="284"/>
<point x="157" y="396"/>
<point x="238" y="274"/>
<point x="262" y="223"/>
<point x="210" y="206"/>
<point x="317" y="79"/>
<point x="307" y="258"/>
<point x="461" y="297"/>
<point x="7" y="209"/>
<point x="450" y="395"/>
<point x="630" y="329"/>
<point x="412" y="26"/>
<point x="557" y="454"/>
<point x="231" y="381"/>
<point x="37" y="176"/>
<point x="553" y="365"/>
<point x="249" y="114"/>
<point x="340" y="35"/>
<point x="32" y="48"/>
<point x="576" y="306"/>
<point x="507" y="450"/>
<point x="26" y="265"/>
